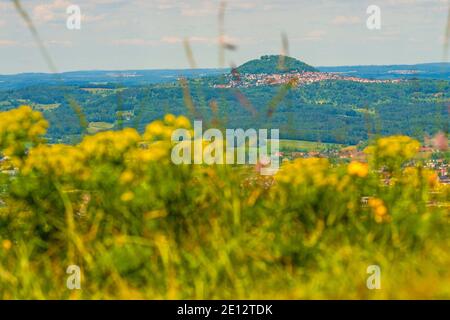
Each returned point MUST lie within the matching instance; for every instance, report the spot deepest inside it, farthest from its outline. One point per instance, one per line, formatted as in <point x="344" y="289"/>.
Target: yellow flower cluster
<point x="162" y="130"/>
<point x="6" y="244"/>
<point x="19" y="127"/>
<point x="396" y="149"/>
<point x="358" y="169"/>
<point x="56" y="161"/>
<point x="126" y="177"/>
<point x="379" y="210"/>
<point x="180" y="122"/>
<point x="157" y="140"/>
<point x="126" y="148"/>
<point x="432" y="178"/>
<point x="127" y="196"/>
<point x="305" y="170"/>
<point x="414" y="177"/>
<point x="110" y="145"/>
<point x="156" y="151"/>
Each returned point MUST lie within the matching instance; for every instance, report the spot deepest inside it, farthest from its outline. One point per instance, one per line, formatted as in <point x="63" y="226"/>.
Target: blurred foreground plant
<point x="141" y="227"/>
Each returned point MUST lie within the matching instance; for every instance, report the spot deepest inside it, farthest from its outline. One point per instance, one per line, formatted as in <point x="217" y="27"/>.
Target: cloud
<point x="207" y="9"/>
<point x="175" y="40"/>
<point x="134" y="42"/>
<point x="211" y="8"/>
<point x="197" y="39"/>
<point x="200" y="39"/>
<point x="59" y="43"/>
<point x="52" y="11"/>
<point x="314" y="35"/>
<point x="56" y="11"/>
<point x="171" y="39"/>
<point x="5" y="6"/>
<point x="245" y="5"/>
<point x="92" y="18"/>
<point x="8" y="43"/>
<point x="29" y="44"/>
<point x="193" y="39"/>
<point x="225" y="39"/>
<point x="346" y="20"/>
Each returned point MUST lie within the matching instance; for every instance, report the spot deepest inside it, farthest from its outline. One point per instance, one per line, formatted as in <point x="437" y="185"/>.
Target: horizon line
<point x="210" y="68"/>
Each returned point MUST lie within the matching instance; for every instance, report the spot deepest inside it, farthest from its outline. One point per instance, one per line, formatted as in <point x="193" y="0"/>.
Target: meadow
<point x="140" y="227"/>
<point x="306" y="146"/>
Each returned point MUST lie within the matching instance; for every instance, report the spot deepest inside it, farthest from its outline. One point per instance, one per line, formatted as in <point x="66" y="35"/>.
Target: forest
<point x="330" y="111"/>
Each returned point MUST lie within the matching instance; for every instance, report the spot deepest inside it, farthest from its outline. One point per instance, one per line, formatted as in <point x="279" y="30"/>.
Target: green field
<point x="95" y="127"/>
<point x="306" y="146"/>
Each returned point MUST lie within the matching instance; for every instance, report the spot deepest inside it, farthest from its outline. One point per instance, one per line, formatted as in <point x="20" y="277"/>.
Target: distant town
<point x="236" y="80"/>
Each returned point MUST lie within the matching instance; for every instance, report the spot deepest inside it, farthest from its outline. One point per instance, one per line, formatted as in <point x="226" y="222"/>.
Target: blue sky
<point x="148" y="34"/>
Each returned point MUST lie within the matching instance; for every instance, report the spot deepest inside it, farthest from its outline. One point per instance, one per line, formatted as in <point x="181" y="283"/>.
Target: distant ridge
<point x="267" y="64"/>
<point x="438" y="70"/>
<point x="271" y="64"/>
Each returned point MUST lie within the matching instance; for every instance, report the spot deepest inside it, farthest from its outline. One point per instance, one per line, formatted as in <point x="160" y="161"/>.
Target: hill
<point x="274" y="64"/>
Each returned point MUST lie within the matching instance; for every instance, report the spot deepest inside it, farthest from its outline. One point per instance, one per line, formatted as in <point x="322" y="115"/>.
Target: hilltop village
<point x="299" y="78"/>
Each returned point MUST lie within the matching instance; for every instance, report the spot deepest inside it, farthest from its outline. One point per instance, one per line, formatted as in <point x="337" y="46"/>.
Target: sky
<point x="151" y="34"/>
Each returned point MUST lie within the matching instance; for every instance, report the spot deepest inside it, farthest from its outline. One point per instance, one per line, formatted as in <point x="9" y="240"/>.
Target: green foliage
<point x="141" y="227"/>
<point x="334" y="111"/>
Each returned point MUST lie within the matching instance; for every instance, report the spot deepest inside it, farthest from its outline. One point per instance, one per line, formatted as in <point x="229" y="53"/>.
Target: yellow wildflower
<point x="127" y="196"/>
<point x="432" y="178"/>
<point x="312" y="170"/>
<point x="20" y="127"/>
<point x="393" y="151"/>
<point x="154" y="129"/>
<point x="358" y="169"/>
<point x="182" y="122"/>
<point x="379" y="209"/>
<point x="56" y="160"/>
<point x="111" y="145"/>
<point x="6" y="244"/>
<point x="126" y="177"/>
<point x="169" y="119"/>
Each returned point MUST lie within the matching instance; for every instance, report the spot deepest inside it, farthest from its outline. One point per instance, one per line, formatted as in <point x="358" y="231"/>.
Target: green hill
<point x="275" y="64"/>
